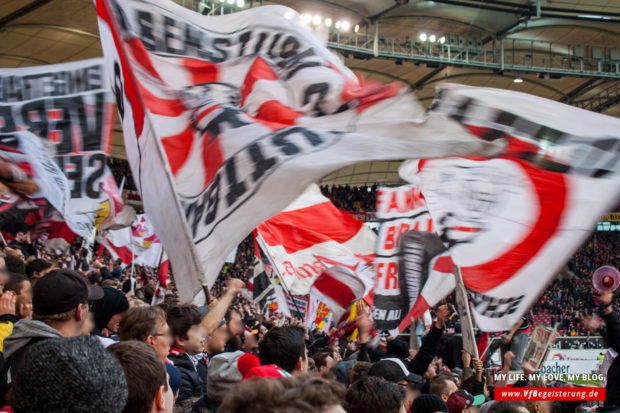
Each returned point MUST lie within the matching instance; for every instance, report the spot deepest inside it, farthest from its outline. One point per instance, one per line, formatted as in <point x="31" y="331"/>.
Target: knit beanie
<point x="223" y="374"/>
<point x="65" y="375"/>
<point x="113" y="302"/>
<point x="428" y="403"/>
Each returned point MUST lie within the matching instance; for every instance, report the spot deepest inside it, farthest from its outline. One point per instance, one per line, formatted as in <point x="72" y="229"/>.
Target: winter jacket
<point x="25" y="333"/>
<point x="192" y="384"/>
<point x="612" y="337"/>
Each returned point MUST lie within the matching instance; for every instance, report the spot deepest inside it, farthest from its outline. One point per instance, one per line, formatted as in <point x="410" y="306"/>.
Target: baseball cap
<point x="62" y="290"/>
<point x="462" y="400"/>
<point x="394" y="370"/>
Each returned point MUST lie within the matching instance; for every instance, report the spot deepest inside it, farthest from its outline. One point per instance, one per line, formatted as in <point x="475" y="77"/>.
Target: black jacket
<point x="192" y="384"/>
<point x="612" y="337"/>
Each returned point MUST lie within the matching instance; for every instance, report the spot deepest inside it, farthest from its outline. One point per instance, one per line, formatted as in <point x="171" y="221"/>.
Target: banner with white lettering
<point x="70" y="106"/>
<point x="400" y="210"/>
<point x="511" y="222"/>
<point x="227" y="119"/>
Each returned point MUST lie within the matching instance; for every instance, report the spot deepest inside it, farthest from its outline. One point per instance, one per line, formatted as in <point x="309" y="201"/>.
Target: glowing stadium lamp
<point x="231" y="2"/>
<point x="328" y="22"/>
<point x="306" y="18"/>
<point x="423" y="37"/>
<point x="357" y="28"/>
<point x="316" y="20"/>
<point x="345" y="26"/>
<point x="338" y="24"/>
<point x="240" y="3"/>
<point x="518" y="80"/>
<point x="432" y="38"/>
<point x="442" y="39"/>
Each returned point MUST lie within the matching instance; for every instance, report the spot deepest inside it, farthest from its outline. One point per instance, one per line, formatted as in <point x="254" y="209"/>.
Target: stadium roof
<point x="566" y="50"/>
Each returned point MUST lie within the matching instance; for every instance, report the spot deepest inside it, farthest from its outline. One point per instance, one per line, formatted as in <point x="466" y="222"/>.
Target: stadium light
<point x="518" y="80"/>
<point x="231" y="2"/>
<point x="328" y="22"/>
<point x="357" y="28"/>
<point x="442" y="39"/>
<point x="316" y="20"/>
<point x="345" y="26"/>
<point x="306" y="18"/>
<point x="240" y="3"/>
<point x="338" y="24"/>
<point x="432" y="38"/>
<point x="423" y="37"/>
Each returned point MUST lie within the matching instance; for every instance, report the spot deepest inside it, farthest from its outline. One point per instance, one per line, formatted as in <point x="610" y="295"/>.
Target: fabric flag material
<point x="425" y="272"/>
<point x="361" y="265"/>
<point x="510" y="223"/>
<point x="267" y="293"/>
<point x="306" y="234"/>
<point x="229" y="122"/>
<point x="400" y="210"/>
<point x="338" y="288"/>
<point x="69" y="106"/>
<point x="138" y="244"/>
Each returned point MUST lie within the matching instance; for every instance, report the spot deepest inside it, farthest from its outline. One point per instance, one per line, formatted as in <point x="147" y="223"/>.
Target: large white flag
<point x="138" y="243"/>
<point x="227" y="119"/>
<point x="513" y="221"/>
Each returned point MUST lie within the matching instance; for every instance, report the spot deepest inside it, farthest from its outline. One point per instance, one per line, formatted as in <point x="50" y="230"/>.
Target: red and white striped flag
<point x="338" y="288"/>
<point x="302" y="238"/>
<point x="227" y="119"/>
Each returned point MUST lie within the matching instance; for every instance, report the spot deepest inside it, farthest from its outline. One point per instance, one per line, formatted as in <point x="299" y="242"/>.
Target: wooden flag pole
<point x="467" y="325"/>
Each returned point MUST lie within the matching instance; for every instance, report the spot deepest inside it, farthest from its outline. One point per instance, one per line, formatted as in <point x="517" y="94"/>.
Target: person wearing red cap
<point x="463" y="402"/>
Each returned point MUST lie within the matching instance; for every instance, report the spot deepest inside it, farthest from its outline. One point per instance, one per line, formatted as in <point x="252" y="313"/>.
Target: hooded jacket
<point x="25" y="333"/>
<point x="113" y="302"/>
<point x="192" y="385"/>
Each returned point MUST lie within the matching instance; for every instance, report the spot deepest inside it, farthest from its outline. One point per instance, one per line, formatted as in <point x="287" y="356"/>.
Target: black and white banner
<point x="69" y="106"/>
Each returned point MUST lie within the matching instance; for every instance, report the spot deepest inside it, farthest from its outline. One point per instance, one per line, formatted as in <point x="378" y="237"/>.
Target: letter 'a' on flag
<point x="227" y="119"/>
<point x="338" y="288"/>
<point x="311" y="228"/>
<point x="510" y="223"/>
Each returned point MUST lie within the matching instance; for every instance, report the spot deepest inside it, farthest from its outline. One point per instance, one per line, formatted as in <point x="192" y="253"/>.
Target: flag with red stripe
<point x="338" y="288"/>
<point x="227" y="119"/>
<point x="307" y="234"/>
<point x="510" y="223"/>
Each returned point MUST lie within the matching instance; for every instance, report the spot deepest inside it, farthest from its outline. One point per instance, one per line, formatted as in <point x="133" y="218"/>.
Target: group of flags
<point x="230" y="121"/>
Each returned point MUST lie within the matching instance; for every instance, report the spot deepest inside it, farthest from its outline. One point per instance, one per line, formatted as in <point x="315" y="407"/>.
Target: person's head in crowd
<point x="216" y="343"/>
<point x="540" y="406"/>
<point x="37" y="268"/>
<point x="60" y="300"/>
<point x="109" y="310"/>
<point x="285" y="347"/>
<point x="395" y="371"/>
<point x="428" y="403"/>
<point x="147" y="383"/>
<point x="285" y="395"/>
<point x="463" y="402"/>
<point x="110" y="282"/>
<point x="442" y="385"/>
<point x="397" y="348"/>
<point x="234" y="323"/>
<point x="357" y="371"/>
<point x="95" y="278"/>
<point x="149" y="292"/>
<point x="324" y="363"/>
<point x="147" y="324"/>
<point x="187" y="332"/>
<point x="4" y="273"/>
<point x="15" y="265"/>
<point x="373" y="395"/>
<point x="508" y="407"/>
<point x="223" y="374"/>
<point x="69" y="374"/>
<point x="23" y="292"/>
<point x="250" y="343"/>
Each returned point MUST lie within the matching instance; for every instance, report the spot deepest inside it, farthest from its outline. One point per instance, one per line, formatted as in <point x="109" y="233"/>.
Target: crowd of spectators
<point x="352" y="198"/>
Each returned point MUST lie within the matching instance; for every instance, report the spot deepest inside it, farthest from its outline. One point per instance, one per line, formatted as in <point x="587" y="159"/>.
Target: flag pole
<point x="265" y="251"/>
<point x="467" y="326"/>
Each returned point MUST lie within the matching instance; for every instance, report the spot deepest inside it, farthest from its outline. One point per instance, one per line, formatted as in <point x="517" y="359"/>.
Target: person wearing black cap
<point x="60" y="308"/>
<point x="394" y="370"/>
<point x="109" y="310"/>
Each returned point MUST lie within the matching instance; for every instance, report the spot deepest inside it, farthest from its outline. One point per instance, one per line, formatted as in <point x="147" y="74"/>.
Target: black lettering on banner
<point x="227" y="118"/>
<point x="206" y="205"/>
<point x="93" y="190"/>
<point x="316" y="89"/>
<point x="289" y="47"/>
<point x="236" y="189"/>
<point x="244" y="39"/>
<point x="74" y="175"/>
<point x="35" y="118"/>
<point x="63" y="124"/>
<point x="294" y="64"/>
<point x="192" y="40"/>
<point x="273" y="44"/>
<point x="118" y="90"/>
<point x="8" y="124"/>
<point x="223" y="55"/>
<point x="289" y="148"/>
<point x="261" y="164"/>
<point x="145" y="23"/>
<point x="259" y="43"/>
<point x="170" y="36"/>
